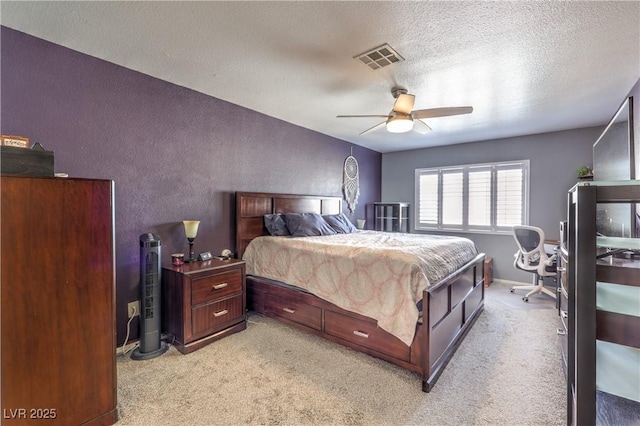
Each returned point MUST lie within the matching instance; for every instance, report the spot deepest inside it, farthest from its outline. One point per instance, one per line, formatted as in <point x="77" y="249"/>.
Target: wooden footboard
<point x="453" y="305"/>
<point x="450" y="309"/>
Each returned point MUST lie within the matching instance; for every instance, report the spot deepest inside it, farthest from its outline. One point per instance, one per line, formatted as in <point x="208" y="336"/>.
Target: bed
<point x="423" y="342"/>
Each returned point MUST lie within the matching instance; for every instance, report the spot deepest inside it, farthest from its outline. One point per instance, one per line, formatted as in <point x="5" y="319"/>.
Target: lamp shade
<point x="191" y="228"/>
<point x="399" y="124"/>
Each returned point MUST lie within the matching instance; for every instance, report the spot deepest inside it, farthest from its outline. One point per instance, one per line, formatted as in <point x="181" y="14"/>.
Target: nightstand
<point x="203" y="302"/>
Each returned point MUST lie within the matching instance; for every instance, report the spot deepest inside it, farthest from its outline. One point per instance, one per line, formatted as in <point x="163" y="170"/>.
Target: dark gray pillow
<point x="340" y="223"/>
<point x="275" y="225"/>
<point x="307" y="225"/>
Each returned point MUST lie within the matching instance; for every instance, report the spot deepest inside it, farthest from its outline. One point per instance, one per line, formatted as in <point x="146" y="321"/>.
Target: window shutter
<point x="452" y="199"/>
<point x="488" y="197"/>
<point x="428" y="201"/>
<point x="480" y="197"/>
<point x="509" y="197"/>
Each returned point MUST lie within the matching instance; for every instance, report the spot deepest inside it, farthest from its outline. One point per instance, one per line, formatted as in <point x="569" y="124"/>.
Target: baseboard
<point x="509" y="282"/>
<point x="513" y="283"/>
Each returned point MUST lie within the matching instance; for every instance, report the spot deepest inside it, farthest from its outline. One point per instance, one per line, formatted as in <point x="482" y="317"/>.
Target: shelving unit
<point x="391" y="217"/>
<point x="599" y="321"/>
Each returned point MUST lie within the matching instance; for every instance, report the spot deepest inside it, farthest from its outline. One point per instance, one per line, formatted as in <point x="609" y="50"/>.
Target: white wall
<point x="554" y="158"/>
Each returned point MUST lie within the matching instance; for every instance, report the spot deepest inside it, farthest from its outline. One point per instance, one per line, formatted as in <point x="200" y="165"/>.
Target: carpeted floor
<point x="506" y="372"/>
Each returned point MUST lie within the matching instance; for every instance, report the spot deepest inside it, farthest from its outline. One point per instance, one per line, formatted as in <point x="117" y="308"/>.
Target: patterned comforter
<point x="377" y="274"/>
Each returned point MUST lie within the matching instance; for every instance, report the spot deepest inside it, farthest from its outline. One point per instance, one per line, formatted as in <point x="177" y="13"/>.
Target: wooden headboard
<point x="251" y="206"/>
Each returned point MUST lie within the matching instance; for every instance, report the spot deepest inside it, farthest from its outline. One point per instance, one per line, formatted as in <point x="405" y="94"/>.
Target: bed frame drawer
<point x="364" y="333"/>
<point x="294" y="309"/>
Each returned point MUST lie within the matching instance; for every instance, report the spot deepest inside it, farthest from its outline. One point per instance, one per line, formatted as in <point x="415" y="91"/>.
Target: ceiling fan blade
<point x="421" y="127"/>
<point x="404" y="103"/>
<point x="363" y="116"/>
<point x="377" y="126"/>
<point x="441" y="112"/>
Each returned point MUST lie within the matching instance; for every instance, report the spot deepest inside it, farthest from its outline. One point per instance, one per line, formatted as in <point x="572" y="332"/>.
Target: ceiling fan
<point x="403" y="119"/>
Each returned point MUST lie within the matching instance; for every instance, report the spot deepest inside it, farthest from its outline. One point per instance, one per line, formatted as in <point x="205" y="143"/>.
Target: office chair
<point x="531" y="257"/>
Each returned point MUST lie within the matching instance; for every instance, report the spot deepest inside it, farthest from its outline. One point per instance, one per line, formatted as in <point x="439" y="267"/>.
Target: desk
<point x="551" y="246"/>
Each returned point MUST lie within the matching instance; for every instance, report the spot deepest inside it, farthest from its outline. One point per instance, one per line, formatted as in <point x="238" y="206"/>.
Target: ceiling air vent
<point x="379" y="57"/>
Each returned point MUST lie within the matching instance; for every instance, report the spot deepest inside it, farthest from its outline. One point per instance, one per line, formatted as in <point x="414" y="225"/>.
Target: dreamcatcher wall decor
<point x="351" y="181"/>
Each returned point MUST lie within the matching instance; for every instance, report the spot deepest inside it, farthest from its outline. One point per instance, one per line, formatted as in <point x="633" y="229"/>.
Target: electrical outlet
<point x="133" y="309"/>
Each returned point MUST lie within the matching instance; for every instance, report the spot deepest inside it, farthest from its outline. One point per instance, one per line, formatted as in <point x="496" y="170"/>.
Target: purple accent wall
<point x="173" y="153"/>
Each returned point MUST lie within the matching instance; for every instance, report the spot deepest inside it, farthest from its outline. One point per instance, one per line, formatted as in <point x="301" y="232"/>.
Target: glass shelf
<point x="618" y="243"/>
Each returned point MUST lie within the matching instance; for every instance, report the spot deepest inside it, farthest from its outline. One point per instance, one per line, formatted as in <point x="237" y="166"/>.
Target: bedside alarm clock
<point x="205" y="256"/>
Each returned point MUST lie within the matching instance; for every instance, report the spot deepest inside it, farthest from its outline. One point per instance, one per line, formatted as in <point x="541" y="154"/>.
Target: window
<point x="490" y="197"/>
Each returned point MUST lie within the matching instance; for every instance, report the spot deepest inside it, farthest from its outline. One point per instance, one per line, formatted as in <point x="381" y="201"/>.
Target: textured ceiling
<point x="525" y="67"/>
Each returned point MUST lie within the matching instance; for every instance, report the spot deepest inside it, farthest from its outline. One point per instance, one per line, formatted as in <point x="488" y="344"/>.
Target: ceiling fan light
<point x="399" y="124"/>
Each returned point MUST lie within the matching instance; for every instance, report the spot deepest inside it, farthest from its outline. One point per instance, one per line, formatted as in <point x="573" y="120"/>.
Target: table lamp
<point x="191" y="230"/>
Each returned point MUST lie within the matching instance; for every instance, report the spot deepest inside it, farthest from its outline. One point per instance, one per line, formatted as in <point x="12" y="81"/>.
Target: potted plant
<point x="584" y="172"/>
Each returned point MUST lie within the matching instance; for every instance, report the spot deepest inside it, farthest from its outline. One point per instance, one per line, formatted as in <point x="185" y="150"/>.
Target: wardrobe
<point x="57" y="301"/>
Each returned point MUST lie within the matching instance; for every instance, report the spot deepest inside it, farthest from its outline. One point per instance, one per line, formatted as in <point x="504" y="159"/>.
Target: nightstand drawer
<point x="207" y="318"/>
<point x="363" y="333"/>
<point x="294" y="310"/>
<point x="211" y="288"/>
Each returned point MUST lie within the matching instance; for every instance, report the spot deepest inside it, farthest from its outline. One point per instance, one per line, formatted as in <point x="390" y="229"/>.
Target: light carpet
<point x="506" y="372"/>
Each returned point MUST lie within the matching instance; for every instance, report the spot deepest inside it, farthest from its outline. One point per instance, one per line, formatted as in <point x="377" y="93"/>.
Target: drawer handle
<point x="219" y="286"/>
<point x="561" y="269"/>
<point x="361" y="334"/>
<point x="220" y="313"/>
<point x="561" y="332"/>
<point x="289" y="311"/>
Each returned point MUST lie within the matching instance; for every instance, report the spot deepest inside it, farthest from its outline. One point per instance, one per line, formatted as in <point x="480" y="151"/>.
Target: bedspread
<point x="377" y="274"/>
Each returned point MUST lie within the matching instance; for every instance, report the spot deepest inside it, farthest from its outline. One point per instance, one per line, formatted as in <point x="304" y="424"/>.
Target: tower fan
<point x="150" y="344"/>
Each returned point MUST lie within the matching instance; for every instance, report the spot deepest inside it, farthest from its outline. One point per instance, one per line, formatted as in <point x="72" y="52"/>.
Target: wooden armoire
<point x="58" y="301"/>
